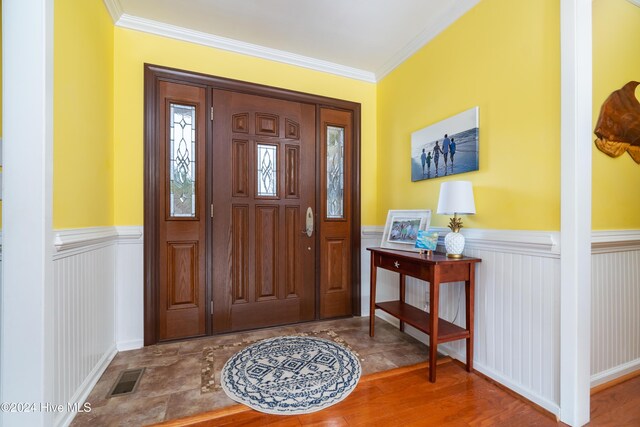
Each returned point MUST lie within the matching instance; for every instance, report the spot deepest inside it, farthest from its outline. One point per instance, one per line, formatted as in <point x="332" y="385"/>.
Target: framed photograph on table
<point x="401" y="229"/>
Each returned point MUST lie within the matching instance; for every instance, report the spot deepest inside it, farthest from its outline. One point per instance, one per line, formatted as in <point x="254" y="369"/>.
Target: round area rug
<point x="291" y="375"/>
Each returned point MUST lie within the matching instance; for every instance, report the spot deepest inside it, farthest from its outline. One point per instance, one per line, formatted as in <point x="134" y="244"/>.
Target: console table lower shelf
<point x="421" y="320"/>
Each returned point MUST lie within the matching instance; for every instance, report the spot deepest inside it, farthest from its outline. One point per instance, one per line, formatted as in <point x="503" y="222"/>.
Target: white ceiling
<point x="364" y="39"/>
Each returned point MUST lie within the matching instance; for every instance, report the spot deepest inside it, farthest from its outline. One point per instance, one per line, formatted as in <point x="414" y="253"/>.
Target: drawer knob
<point x="396" y="264"/>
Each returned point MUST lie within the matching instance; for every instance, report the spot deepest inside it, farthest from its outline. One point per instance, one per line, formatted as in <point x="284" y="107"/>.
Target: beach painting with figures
<point x="446" y="148"/>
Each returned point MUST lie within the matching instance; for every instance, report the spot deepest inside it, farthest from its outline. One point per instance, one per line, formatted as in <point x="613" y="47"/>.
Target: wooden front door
<point x="264" y="188"/>
<point x="232" y="172"/>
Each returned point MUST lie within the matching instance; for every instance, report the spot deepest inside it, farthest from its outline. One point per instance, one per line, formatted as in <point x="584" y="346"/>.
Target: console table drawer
<point x="414" y="269"/>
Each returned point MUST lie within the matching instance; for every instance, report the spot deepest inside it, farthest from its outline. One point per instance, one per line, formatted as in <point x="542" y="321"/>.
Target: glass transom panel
<point x="335" y="172"/>
<point x="267" y="170"/>
<point x="182" y="161"/>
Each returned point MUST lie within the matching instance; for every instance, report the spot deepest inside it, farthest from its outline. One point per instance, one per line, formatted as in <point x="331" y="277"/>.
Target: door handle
<point x="309" y="223"/>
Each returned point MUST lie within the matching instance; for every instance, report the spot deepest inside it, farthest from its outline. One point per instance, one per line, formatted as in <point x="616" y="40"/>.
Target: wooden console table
<point x="435" y="269"/>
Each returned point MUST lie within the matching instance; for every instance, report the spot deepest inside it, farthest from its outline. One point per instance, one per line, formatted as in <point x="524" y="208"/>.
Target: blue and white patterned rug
<point x="291" y="375"/>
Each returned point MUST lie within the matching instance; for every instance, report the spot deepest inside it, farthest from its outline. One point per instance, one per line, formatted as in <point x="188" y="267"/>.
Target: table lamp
<point x="456" y="197"/>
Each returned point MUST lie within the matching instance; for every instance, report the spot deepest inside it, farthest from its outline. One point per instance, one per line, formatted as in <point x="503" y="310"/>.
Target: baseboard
<point x="615" y="373"/>
<point x="130" y="345"/>
<point x="81" y="395"/>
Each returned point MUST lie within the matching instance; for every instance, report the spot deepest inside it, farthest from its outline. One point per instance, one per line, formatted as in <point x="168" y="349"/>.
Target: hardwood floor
<point x="617" y="406"/>
<point x="404" y="397"/>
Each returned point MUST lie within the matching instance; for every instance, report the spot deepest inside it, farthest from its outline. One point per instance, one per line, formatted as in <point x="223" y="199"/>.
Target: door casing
<point x="153" y="74"/>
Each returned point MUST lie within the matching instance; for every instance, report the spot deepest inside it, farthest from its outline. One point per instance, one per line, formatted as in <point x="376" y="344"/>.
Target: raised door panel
<point x="336" y="268"/>
<point x="267" y="124"/>
<point x="266" y="244"/>
<point x="240" y="253"/>
<point x="292" y="258"/>
<point x="292" y="171"/>
<point x="240" y="170"/>
<point x="182" y="275"/>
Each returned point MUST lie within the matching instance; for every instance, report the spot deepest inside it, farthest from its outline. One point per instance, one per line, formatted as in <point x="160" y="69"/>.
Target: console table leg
<point x="434" y="288"/>
<point x="469" y="300"/>
<point x="402" y="295"/>
<point x="372" y="297"/>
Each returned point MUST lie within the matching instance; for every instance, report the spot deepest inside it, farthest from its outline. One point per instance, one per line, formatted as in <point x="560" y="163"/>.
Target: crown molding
<point x="115" y="9"/>
<point x="231" y="45"/>
<point x="439" y="24"/>
<point x="636" y="2"/>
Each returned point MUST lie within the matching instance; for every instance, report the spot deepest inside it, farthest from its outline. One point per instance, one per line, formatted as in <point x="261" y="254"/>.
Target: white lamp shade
<point x="456" y="197"/>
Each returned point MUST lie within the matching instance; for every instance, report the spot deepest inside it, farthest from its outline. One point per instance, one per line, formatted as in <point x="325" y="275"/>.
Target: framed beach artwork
<point x="445" y="148"/>
<point x="402" y="227"/>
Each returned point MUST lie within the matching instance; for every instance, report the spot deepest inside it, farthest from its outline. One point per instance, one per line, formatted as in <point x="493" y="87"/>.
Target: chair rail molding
<point x="525" y="242"/>
<point x="608" y="241"/>
<point x="65" y="240"/>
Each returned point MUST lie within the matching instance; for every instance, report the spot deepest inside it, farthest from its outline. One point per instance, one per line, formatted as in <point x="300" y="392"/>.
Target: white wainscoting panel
<point x="84" y="313"/>
<point x="615" y="300"/>
<point x="129" y="288"/>
<point x="517" y="308"/>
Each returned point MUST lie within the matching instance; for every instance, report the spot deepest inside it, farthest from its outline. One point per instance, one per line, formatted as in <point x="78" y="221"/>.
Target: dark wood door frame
<point x="153" y="74"/>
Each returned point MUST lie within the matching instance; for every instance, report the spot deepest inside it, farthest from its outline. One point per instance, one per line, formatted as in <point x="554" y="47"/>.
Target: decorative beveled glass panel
<point x="267" y="170"/>
<point x="182" y="161"/>
<point x="335" y="172"/>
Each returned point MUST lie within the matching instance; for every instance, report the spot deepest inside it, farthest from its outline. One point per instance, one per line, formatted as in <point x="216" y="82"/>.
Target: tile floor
<point x="182" y="378"/>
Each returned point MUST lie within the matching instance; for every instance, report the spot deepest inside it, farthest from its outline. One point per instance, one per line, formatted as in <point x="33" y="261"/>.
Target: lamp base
<point x="454" y="244"/>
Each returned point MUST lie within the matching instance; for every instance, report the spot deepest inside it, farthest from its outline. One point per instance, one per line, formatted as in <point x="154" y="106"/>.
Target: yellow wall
<point x="616" y="61"/>
<point x="83" y="115"/>
<point x="503" y="56"/>
<point x="133" y="49"/>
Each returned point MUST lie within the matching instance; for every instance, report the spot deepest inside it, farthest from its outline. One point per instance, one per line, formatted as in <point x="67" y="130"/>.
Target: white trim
<point x="371" y="231"/>
<point x="130" y="345"/>
<point x="80" y="238"/>
<point x="114" y="8"/>
<point x="82" y="393"/>
<point x="206" y="39"/>
<point x="609" y="241"/>
<point x="26" y="368"/>
<point x="613" y="373"/>
<point x="73" y="238"/>
<point x="129" y="284"/>
<point x="527" y="242"/>
<point x="575" y="208"/>
<point x="636" y="2"/>
<point x="440" y="24"/>
<point x="129" y="234"/>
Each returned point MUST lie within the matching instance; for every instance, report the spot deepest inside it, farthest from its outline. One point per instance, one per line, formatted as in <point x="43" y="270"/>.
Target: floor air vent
<point x="127" y="382"/>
